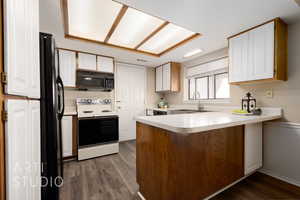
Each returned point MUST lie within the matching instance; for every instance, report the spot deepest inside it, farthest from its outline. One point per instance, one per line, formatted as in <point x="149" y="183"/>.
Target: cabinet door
<point x="87" y="61"/>
<point x="33" y="48"/>
<point x="21" y="43"/>
<point x="167" y="77"/>
<point x="253" y="147"/>
<point x="159" y="79"/>
<point x="105" y="64"/>
<point x="35" y="148"/>
<point x="17" y="148"/>
<point x="261" y="52"/>
<point x="22" y="130"/>
<point x="67" y="136"/>
<point x="238" y="56"/>
<point x="67" y="64"/>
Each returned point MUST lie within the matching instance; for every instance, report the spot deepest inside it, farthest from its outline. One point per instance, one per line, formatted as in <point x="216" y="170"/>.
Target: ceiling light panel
<point x="92" y="19"/>
<point x="166" y="38"/>
<point x="134" y="27"/>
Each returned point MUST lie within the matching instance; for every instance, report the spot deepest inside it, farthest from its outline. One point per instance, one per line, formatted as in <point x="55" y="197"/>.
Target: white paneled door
<point x="21" y="43"/>
<point x="130" y="97"/>
<point x="22" y="129"/>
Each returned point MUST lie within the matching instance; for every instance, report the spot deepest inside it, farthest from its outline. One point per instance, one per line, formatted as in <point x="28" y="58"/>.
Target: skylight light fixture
<point x="192" y="53"/>
<point x="110" y="23"/>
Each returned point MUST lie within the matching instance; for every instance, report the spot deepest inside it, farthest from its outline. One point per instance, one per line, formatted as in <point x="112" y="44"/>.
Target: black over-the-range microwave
<point x="94" y="80"/>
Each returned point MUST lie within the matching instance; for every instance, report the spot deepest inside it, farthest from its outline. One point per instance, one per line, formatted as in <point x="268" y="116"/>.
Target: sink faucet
<point x="200" y="107"/>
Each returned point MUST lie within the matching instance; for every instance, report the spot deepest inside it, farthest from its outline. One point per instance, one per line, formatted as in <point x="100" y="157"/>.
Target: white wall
<point x="281" y="156"/>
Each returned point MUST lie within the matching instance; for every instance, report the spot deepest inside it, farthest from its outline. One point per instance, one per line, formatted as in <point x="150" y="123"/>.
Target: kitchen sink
<point x="185" y="111"/>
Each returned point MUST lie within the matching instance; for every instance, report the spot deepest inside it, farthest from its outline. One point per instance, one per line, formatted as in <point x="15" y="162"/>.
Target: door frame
<point x="130" y="65"/>
<point x="2" y="136"/>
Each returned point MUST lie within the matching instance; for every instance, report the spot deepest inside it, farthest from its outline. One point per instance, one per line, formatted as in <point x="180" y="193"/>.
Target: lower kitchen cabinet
<point x="253" y="147"/>
<point x="69" y="146"/>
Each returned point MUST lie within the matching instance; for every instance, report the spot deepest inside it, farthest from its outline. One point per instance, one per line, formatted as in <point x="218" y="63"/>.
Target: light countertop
<point x="198" y="122"/>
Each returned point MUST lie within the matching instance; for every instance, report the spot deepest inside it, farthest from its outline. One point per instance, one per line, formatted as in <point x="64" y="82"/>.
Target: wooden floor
<point x="113" y="178"/>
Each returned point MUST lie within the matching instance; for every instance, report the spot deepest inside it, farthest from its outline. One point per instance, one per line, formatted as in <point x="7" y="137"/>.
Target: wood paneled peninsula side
<point x="195" y="156"/>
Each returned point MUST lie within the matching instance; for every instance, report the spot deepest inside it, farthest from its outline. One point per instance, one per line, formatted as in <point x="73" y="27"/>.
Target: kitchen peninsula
<point x="195" y="156"/>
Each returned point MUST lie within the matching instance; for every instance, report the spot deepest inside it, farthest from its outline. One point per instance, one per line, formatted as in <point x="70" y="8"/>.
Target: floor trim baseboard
<point x="141" y="196"/>
<point x="282" y="178"/>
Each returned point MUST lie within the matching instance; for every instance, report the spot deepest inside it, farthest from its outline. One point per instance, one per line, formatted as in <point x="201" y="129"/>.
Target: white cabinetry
<point x="253" y="147"/>
<point x="67" y="63"/>
<point x="259" y="53"/>
<point x="22" y="131"/>
<point x="105" y="64"/>
<point x="159" y="79"/>
<point x="238" y="54"/>
<point x="167" y="77"/>
<point x="21" y="44"/>
<point x="67" y="136"/>
<point x="251" y="54"/>
<point x="87" y="61"/>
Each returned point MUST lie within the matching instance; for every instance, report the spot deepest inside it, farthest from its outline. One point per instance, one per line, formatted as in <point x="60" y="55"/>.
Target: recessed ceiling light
<point x="192" y="53"/>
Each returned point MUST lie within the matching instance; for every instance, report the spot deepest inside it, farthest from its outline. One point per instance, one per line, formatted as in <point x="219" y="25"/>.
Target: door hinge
<point x="4" y="115"/>
<point x="3" y="77"/>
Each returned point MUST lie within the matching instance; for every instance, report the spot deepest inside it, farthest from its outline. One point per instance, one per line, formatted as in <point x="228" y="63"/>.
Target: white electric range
<point x="98" y="128"/>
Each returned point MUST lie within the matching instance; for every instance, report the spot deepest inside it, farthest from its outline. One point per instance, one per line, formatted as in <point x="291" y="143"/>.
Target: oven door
<point x="97" y="130"/>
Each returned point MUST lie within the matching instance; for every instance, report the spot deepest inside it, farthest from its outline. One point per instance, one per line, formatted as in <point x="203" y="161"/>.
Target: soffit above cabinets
<point x="110" y="23"/>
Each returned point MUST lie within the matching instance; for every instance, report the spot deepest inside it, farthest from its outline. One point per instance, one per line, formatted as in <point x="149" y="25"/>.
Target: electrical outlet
<point x="269" y="93"/>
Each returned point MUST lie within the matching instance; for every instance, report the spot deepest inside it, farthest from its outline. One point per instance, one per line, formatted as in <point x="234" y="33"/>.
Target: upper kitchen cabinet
<point x="67" y="63"/>
<point x="87" y="61"/>
<point x="168" y="77"/>
<point x="105" y="64"/>
<point x="21" y="43"/>
<point x="259" y="54"/>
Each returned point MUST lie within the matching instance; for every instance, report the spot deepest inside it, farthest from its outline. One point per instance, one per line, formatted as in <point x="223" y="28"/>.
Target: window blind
<point x="207" y="69"/>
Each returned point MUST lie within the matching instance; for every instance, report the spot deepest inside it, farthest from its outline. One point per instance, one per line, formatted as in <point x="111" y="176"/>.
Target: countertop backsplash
<point x="72" y="95"/>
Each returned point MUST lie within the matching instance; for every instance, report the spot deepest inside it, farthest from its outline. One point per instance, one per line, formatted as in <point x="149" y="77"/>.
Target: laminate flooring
<point x="113" y="177"/>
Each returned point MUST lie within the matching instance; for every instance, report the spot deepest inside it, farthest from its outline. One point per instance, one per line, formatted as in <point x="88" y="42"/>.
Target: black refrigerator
<point x="52" y="109"/>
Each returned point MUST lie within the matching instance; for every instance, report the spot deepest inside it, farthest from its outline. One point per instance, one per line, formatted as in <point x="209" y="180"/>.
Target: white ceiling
<point x="215" y="19"/>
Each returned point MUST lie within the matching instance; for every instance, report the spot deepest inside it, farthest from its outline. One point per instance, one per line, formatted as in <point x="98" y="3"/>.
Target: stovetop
<point x="94" y="107"/>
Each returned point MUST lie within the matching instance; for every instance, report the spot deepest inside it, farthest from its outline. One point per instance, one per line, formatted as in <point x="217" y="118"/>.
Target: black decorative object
<point x="248" y="103"/>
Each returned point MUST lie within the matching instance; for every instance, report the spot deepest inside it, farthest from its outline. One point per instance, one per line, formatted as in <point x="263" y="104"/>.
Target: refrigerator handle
<point x="61" y="96"/>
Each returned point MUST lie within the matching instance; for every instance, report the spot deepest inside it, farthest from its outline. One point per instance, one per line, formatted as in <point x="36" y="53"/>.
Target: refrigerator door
<point x="51" y="125"/>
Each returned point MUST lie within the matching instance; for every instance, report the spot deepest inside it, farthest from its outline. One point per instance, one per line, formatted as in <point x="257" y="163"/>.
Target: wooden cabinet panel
<point x="67" y="136"/>
<point x="259" y="54"/>
<point x="23" y="149"/>
<point x="253" y="147"/>
<point x="167" y="77"/>
<point x="21" y="37"/>
<point x="67" y="60"/>
<point x="159" y="79"/>
<point x="176" y="166"/>
<point x="105" y="64"/>
<point x="87" y="61"/>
